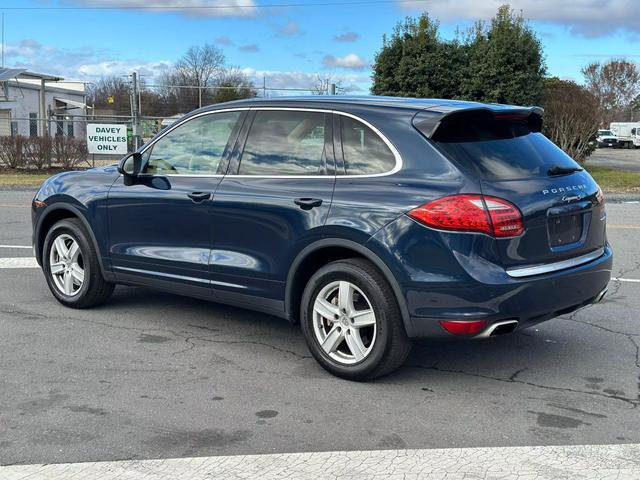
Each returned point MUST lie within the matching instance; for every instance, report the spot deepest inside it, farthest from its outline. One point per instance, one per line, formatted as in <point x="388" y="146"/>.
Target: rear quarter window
<point x="364" y="151"/>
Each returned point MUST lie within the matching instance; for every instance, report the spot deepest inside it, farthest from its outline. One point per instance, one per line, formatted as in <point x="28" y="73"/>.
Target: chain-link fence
<point x="59" y="140"/>
<point x="36" y="143"/>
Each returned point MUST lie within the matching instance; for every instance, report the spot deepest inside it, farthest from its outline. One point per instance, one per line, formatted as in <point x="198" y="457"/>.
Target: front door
<point x="160" y="226"/>
<point x="269" y="206"/>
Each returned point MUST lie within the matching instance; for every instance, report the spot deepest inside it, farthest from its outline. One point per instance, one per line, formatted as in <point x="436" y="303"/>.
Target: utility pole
<point x="2" y="39"/>
<point x="135" y="111"/>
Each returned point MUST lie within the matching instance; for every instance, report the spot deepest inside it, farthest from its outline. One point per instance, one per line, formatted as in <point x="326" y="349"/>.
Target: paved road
<point x="622" y="159"/>
<point x="153" y="375"/>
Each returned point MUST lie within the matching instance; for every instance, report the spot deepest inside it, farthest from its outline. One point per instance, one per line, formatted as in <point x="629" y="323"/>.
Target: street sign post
<point x="107" y="138"/>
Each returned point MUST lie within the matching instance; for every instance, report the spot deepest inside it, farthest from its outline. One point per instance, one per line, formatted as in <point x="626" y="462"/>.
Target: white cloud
<point x="289" y="29"/>
<point x="224" y="40"/>
<point x="81" y="63"/>
<point x="250" y="48"/>
<point x="351" y="61"/>
<point x="587" y="18"/>
<point x="200" y="8"/>
<point x="347" y="37"/>
<point x="301" y="80"/>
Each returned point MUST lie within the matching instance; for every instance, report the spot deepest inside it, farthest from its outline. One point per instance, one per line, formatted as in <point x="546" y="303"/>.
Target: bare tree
<point x="233" y="84"/>
<point x="571" y="117"/>
<point x="322" y="85"/>
<point x="110" y="93"/>
<point x="615" y="84"/>
<point x="200" y="65"/>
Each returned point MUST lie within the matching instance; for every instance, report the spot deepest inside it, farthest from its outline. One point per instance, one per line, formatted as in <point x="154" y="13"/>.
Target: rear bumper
<point x="528" y="301"/>
<point x="442" y="279"/>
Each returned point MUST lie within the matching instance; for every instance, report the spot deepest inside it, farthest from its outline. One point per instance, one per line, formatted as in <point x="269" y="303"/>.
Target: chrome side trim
<point x="384" y="138"/>
<point x="179" y="277"/>
<point x="553" y="267"/>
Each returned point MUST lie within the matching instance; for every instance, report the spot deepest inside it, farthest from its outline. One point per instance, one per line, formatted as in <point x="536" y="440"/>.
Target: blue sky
<point x="288" y="45"/>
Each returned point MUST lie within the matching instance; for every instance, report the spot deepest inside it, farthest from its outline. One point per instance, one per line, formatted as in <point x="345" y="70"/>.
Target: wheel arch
<point x="327" y="250"/>
<point x="53" y="214"/>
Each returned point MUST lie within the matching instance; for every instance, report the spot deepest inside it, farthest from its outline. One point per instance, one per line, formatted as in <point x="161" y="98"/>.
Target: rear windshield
<point x="499" y="148"/>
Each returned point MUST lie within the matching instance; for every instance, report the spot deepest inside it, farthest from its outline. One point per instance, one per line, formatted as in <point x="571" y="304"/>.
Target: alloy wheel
<point x="344" y="322"/>
<point x="66" y="265"/>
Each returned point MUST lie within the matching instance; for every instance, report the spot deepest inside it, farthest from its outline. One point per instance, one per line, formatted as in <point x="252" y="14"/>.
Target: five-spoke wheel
<point x="66" y="264"/>
<point x="344" y="322"/>
<point x="351" y="320"/>
<point x="71" y="265"/>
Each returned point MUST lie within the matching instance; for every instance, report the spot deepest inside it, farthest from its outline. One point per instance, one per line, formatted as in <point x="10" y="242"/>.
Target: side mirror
<point x="130" y="165"/>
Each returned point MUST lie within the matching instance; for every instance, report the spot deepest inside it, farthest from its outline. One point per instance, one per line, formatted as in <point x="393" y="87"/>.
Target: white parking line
<point x="533" y="463"/>
<point x="30" y="262"/>
<point x="629" y="280"/>
<point x="20" y="262"/>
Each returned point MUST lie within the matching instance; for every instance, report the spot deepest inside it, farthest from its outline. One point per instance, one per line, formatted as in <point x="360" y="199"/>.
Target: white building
<point x="33" y="104"/>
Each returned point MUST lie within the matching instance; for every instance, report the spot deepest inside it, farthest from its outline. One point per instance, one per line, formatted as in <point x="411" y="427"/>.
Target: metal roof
<point x="10" y="73"/>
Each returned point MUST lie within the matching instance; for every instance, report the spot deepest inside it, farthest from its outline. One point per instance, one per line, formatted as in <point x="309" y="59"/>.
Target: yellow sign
<point x="110" y="99"/>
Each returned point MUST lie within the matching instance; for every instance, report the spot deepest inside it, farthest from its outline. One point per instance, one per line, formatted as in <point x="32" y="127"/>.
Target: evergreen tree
<point x="506" y="63"/>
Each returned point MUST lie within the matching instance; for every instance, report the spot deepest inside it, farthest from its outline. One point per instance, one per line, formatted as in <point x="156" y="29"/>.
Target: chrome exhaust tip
<point x="499" y="328"/>
<point x="600" y="296"/>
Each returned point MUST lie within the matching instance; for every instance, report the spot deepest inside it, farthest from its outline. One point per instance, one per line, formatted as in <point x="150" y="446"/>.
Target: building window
<point x="14" y="128"/>
<point x="70" y="128"/>
<point x="59" y="126"/>
<point x="33" y="124"/>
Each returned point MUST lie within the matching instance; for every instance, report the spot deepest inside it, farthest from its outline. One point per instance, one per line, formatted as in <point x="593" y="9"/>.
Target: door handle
<point x="308" y="203"/>
<point x="199" y="196"/>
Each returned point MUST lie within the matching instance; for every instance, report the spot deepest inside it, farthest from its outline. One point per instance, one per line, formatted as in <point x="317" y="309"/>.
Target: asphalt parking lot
<point x="623" y="159"/>
<point x="152" y="375"/>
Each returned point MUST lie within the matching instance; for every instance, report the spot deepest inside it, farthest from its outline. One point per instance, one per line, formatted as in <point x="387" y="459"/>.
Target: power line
<point x="217" y="7"/>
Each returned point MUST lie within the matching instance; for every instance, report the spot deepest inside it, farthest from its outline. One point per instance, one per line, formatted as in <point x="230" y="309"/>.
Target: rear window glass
<point x="506" y="148"/>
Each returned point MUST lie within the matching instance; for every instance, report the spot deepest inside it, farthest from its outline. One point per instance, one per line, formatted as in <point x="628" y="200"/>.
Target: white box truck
<point x="628" y="134"/>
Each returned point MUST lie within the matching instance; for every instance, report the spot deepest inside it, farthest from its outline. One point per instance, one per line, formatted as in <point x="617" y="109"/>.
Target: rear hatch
<point x="561" y="205"/>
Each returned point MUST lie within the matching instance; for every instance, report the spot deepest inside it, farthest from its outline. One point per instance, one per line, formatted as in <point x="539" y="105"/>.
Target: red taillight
<point x="471" y="213"/>
<point x="463" y="327"/>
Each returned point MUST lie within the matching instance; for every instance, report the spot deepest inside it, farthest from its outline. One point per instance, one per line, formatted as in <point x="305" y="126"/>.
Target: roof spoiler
<point x="429" y="120"/>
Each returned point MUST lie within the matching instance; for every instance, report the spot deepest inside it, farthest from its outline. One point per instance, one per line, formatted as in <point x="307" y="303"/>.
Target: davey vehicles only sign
<point x="105" y="138"/>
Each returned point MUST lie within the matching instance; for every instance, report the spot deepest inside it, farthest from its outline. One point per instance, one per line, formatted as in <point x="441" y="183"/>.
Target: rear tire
<point x="71" y="268"/>
<point x="351" y="321"/>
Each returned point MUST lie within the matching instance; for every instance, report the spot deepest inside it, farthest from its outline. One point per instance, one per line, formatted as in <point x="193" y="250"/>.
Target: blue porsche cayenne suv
<point x="370" y="220"/>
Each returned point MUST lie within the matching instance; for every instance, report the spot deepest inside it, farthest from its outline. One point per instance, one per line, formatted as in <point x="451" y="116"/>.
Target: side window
<point x="285" y="143"/>
<point x="194" y="148"/>
<point x="365" y="153"/>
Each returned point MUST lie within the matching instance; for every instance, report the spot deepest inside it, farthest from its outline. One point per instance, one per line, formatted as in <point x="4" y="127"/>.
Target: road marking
<point x="15" y="246"/>
<point x="20" y="262"/>
<point x="14" y="205"/>
<point x="534" y="463"/>
<point x="623" y="227"/>
<point x="629" y="280"/>
<point x="30" y="262"/>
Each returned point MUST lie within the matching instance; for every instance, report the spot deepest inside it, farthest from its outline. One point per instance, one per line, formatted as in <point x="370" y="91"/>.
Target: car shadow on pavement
<point x="505" y="357"/>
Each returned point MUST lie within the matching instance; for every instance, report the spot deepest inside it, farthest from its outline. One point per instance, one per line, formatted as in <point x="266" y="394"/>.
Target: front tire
<point x="351" y="321"/>
<point x="71" y="268"/>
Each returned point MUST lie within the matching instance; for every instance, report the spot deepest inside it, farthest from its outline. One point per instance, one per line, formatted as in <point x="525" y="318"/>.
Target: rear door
<point x="562" y="206"/>
<point x="272" y="201"/>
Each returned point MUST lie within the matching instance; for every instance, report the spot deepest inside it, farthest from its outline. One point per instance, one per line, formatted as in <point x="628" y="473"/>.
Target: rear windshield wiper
<point x="558" y="170"/>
